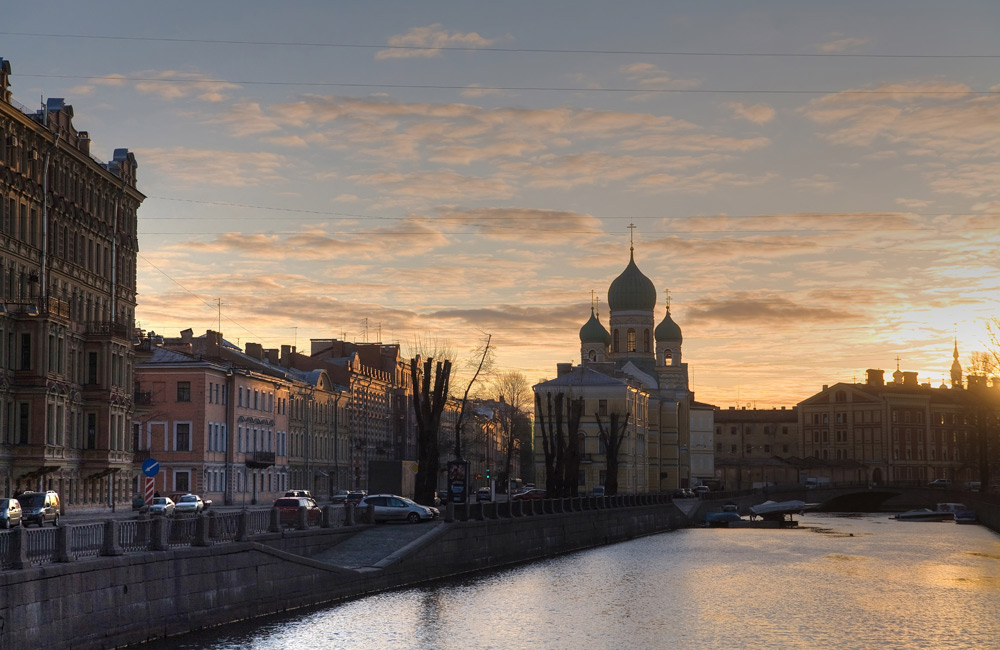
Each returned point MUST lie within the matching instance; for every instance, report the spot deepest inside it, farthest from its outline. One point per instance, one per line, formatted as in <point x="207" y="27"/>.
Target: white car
<point x="190" y="503"/>
<point x="162" y="506"/>
<point x="390" y="507"/>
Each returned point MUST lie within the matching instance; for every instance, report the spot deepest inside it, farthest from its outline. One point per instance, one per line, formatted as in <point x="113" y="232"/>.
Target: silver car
<point x="391" y="507"/>
<point x="162" y="506"/>
<point x="10" y="513"/>
<point x="189" y="503"/>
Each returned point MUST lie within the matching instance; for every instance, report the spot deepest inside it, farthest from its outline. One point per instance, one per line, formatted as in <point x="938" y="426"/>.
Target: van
<point x="39" y="507"/>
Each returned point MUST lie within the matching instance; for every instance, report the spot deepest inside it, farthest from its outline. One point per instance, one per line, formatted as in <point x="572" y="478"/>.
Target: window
<point x="182" y="480"/>
<point x="183" y="437"/>
<point x="602" y="407"/>
<point x="630" y="340"/>
<point x="25" y="352"/>
<point x="183" y="391"/>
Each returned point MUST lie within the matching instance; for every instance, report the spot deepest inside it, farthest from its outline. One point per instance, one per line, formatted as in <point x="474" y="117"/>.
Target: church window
<point x="668" y="355"/>
<point x="630" y="341"/>
<point x="593" y="355"/>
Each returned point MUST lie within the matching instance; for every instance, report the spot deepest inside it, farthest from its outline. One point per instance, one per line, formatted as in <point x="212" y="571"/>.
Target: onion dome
<point x="668" y="330"/>
<point x="593" y="332"/>
<point x="632" y="291"/>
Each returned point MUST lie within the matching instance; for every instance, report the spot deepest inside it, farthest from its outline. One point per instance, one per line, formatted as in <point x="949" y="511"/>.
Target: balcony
<point x="259" y="459"/>
<point x="108" y="329"/>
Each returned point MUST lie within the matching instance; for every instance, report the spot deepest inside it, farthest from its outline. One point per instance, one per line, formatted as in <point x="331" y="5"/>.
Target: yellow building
<point x="634" y="368"/>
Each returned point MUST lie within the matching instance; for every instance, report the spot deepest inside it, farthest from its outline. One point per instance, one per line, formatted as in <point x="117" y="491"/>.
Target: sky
<point x="816" y="184"/>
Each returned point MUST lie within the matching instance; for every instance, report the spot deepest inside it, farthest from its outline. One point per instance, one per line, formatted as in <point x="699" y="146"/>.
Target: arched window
<point x="593" y="355"/>
<point x="630" y="340"/>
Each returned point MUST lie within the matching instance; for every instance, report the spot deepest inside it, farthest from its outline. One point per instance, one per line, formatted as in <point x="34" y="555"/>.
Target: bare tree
<point x="428" y="404"/>
<point x="612" y="437"/>
<point x="486" y="357"/>
<point x="561" y="449"/>
<point x="511" y="389"/>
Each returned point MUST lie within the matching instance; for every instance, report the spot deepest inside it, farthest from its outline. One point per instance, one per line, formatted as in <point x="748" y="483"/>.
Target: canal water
<point x="838" y="581"/>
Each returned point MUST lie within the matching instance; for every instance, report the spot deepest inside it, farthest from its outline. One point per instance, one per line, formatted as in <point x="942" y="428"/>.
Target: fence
<point x="21" y="548"/>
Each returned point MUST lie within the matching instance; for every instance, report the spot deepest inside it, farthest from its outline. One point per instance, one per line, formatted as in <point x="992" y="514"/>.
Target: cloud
<point x="444" y="185"/>
<point x="755" y="309"/>
<point x="524" y="224"/>
<point x="428" y="42"/>
<point x="649" y="75"/>
<point x="757" y="113"/>
<point x="841" y="44"/>
<point x="185" y="166"/>
<point x="174" y="84"/>
<point x="112" y="80"/>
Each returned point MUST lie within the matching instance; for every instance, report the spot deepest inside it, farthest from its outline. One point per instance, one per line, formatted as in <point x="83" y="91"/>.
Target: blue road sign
<point x="150" y="467"/>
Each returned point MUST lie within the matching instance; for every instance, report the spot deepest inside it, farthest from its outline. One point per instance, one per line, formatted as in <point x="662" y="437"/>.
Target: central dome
<point x="632" y="291"/>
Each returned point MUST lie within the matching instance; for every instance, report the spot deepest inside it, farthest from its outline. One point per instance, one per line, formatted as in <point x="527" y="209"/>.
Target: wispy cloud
<point x="195" y="167"/>
<point x="841" y="43"/>
<point x="756" y="113"/>
<point x="430" y="40"/>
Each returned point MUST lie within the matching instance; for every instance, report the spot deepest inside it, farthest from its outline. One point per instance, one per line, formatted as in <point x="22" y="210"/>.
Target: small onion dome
<point x="593" y="332"/>
<point x="632" y="291"/>
<point x="668" y="330"/>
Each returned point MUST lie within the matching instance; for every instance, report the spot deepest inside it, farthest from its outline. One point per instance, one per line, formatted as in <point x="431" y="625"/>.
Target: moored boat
<point x="721" y="519"/>
<point x="924" y="514"/>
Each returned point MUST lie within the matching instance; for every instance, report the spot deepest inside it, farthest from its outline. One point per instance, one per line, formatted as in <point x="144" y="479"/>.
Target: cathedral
<point x="635" y="369"/>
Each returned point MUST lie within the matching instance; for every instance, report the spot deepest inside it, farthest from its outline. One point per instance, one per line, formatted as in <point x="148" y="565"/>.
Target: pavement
<point x="370" y="546"/>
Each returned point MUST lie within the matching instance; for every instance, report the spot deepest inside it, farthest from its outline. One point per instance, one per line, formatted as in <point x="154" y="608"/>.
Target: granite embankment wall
<point x="108" y="602"/>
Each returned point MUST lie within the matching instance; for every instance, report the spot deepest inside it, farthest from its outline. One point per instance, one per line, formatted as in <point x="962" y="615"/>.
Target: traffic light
<point x="487" y="474"/>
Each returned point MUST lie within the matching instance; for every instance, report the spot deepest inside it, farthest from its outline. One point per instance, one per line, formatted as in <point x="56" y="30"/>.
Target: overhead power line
<point x="531" y="50"/>
<point x="574" y="89"/>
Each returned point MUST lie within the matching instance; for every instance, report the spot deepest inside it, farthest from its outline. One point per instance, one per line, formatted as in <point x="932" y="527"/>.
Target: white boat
<point x="924" y="514"/>
<point x="778" y="509"/>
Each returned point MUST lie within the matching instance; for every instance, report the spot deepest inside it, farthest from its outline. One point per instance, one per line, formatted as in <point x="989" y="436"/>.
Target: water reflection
<point x="850" y="582"/>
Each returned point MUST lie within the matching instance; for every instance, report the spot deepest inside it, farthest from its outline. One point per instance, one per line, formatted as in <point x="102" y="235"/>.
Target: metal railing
<point x="21" y="547"/>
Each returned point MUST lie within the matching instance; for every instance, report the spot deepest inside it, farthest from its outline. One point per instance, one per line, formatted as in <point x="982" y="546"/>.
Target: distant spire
<point x="956" y="368"/>
<point x="631" y="242"/>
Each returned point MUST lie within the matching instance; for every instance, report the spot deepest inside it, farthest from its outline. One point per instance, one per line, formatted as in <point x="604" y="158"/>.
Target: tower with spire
<point x="956" y="369"/>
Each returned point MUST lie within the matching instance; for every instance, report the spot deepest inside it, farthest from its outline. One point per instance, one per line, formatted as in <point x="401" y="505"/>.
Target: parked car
<point x="529" y="494"/>
<point x="484" y="494"/>
<point x="189" y="503"/>
<point x="940" y="483"/>
<point x="974" y="486"/>
<point x="288" y="510"/>
<point x="392" y="507"/>
<point x="39" y="507"/>
<point x="10" y="513"/>
<point x="299" y="493"/>
<point x="700" y="489"/>
<point x="355" y="496"/>
<point x="162" y="506"/>
<point x="138" y="503"/>
<point x="598" y="491"/>
<point x="339" y="497"/>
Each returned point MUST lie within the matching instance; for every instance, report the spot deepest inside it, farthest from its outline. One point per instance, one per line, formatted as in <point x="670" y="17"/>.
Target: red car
<point x="288" y="510"/>
<point x="533" y="493"/>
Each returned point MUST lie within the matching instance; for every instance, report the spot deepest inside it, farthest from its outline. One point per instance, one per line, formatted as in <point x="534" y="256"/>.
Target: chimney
<point x="271" y="354"/>
<point x="910" y="379"/>
<point x="187" y="335"/>
<point x="213" y="344"/>
<point x="84" y="142"/>
<point x="875" y="377"/>
<point x="563" y="369"/>
<point x="255" y="350"/>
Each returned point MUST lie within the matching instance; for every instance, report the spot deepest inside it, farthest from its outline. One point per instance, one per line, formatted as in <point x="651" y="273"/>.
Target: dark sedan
<point x="288" y="510"/>
<point x="528" y="495"/>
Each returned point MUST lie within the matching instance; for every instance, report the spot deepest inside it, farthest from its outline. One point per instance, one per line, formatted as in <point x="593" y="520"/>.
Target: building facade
<point x="901" y="431"/>
<point x="68" y="246"/>
<point x="756" y="447"/>
<point x="635" y="369"/>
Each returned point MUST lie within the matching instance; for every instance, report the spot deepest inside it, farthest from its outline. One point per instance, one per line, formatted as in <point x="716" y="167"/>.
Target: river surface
<point x="839" y="581"/>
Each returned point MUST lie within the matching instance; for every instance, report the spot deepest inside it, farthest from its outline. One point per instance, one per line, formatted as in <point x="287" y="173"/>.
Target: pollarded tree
<point x="561" y="449"/>
<point x="428" y="404"/>
<point x="612" y="437"/>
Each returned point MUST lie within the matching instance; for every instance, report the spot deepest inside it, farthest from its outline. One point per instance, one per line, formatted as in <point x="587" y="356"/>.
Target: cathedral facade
<point x="635" y="368"/>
